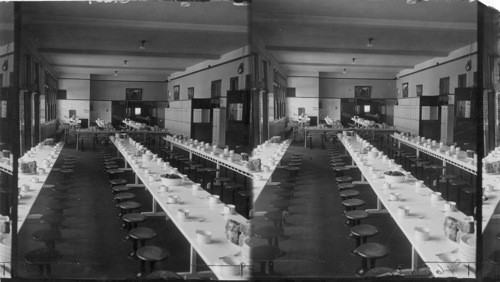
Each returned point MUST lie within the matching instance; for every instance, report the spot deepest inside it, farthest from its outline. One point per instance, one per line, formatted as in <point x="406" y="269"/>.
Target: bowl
<point x="231" y="266"/>
<point x="169" y="181"/>
<point x="422" y="233"/>
<point x="394" y="179"/>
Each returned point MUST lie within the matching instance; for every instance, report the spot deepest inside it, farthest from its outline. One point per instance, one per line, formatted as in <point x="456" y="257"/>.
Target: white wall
<point x="329" y="107"/>
<point x="201" y="80"/>
<point x="75" y="88"/>
<point x="81" y="106"/>
<point x="310" y="105"/>
<point x="114" y="90"/>
<point x="429" y="78"/>
<point x="304" y="86"/>
<point x="344" y="88"/>
<point x="100" y="109"/>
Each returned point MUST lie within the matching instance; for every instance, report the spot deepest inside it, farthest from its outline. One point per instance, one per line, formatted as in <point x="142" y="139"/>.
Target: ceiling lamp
<point x="116" y="73"/>
<point x="241" y="2"/>
<point x="125" y="63"/>
<point x="369" y="44"/>
<point x="344" y="71"/>
<point x="353" y="61"/>
<point x="185" y="4"/>
<point x="142" y="47"/>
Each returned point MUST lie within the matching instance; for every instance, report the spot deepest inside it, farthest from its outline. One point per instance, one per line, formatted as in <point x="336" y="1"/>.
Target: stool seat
<point x="233" y="185"/>
<point x="357" y="214"/>
<point x="45" y="235"/>
<point x="269" y="232"/>
<point x="379" y="272"/>
<point x="107" y="167"/>
<point x="292" y="168"/>
<point x="280" y="204"/>
<point x="142" y="233"/>
<point x="339" y="168"/>
<point x="364" y="230"/>
<point x="353" y="202"/>
<point x="294" y="164"/>
<point x="274" y="215"/>
<point x="348" y="193"/>
<point x="52" y="218"/>
<point x="118" y="181"/>
<point x="66" y="166"/>
<point x="164" y="275"/>
<point x="341" y="179"/>
<point x="211" y="169"/>
<point x="152" y="253"/>
<point x="115" y="171"/>
<point x="42" y="256"/>
<point x="121" y="188"/>
<point x="448" y="176"/>
<point x="245" y="193"/>
<point x="66" y="171"/>
<point x="457" y="182"/>
<point x="57" y="206"/>
<point x="264" y="253"/>
<point x="372" y="251"/>
<point x="124" y="196"/>
<point x="283" y="193"/>
<point x="59" y="196"/>
<point x="345" y="185"/>
<point x="222" y="179"/>
<point x="129" y="205"/>
<point x="48" y="186"/>
<point x="134" y="217"/>
<point x="469" y="190"/>
<point x="335" y="164"/>
<point x="285" y="185"/>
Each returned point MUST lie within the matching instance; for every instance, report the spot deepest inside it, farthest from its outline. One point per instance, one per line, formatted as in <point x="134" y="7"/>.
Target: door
<point x="238" y="120"/>
<point x="346" y="111"/>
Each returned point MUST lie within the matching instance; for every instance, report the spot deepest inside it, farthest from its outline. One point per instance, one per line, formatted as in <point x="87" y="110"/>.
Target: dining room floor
<point x="92" y="246"/>
<point x="317" y="245"/>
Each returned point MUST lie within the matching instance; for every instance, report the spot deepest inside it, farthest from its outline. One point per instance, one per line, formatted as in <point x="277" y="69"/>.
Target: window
<point x="190" y="93"/>
<point x="137" y="111"/>
<point x="366" y="109"/>
<point x="462" y="80"/>
<point x="177" y="90"/>
<point x="444" y="86"/>
<point x="215" y="89"/>
<point x="248" y="81"/>
<point x="233" y="83"/>
<point x="50" y="97"/>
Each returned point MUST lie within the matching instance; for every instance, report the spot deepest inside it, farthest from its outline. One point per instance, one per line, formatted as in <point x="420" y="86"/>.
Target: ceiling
<point x="6" y="23"/>
<point x="79" y="38"/>
<point x="318" y="37"/>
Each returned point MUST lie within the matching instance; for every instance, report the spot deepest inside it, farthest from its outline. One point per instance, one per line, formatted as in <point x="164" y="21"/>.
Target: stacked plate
<point x="467" y="248"/>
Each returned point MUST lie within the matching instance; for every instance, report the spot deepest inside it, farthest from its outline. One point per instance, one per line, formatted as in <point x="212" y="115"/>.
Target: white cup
<point x="213" y="199"/>
<point x="386" y="185"/>
<point x="203" y="236"/>
<point x="41" y="170"/>
<point x="151" y="177"/>
<point x="490" y="188"/>
<point x="435" y="196"/>
<point x="450" y="206"/>
<point x="173" y="199"/>
<point x="422" y="233"/>
<point x="25" y="188"/>
<point x="229" y="209"/>
<point x="419" y="184"/>
<point x="265" y="168"/>
<point x="34" y="179"/>
<point x="258" y="177"/>
<point x="403" y="211"/>
<point x="163" y="188"/>
<point x="395" y="197"/>
<point x="146" y="171"/>
<point x="159" y="161"/>
<point x="182" y="214"/>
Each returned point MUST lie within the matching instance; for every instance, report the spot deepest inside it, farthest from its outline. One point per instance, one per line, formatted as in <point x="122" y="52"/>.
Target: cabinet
<point x="219" y="126"/>
<point x="419" y="116"/>
<point x="447" y="118"/>
<point x="178" y="117"/>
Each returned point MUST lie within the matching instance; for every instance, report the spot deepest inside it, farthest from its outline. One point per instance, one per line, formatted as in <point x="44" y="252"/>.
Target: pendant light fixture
<point x="116" y="73"/>
<point x="344" y="71"/>
<point x="370" y="44"/>
<point x="142" y="47"/>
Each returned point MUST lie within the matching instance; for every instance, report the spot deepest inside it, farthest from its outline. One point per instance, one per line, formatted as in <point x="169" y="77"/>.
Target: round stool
<point x="370" y="252"/>
<point x="57" y="207"/>
<point x="265" y="254"/>
<point x="139" y="235"/>
<point x="116" y="182"/>
<point x="347" y="194"/>
<point x="352" y="204"/>
<point x="271" y="234"/>
<point x="380" y="272"/>
<point x="131" y="220"/>
<point x="286" y="186"/>
<point x="212" y="172"/>
<point x="284" y="194"/>
<point x="43" y="258"/>
<point x="293" y="171"/>
<point x="360" y="233"/>
<point x="54" y="219"/>
<point x="232" y="187"/>
<point x="282" y="205"/>
<point x="343" y="179"/>
<point x="220" y="181"/>
<point x="151" y="254"/>
<point x="345" y="185"/>
<point x="121" y="188"/>
<point x="114" y="173"/>
<point x="121" y="197"/>
<point x="457" y="186"/>
<point x="127" y="206"/>
<point x="48" y="236"/>
<point x="354" y="217"/>
<point x="444" y="183"/>
<point x="471" y="194"/>
<point x="164" y="275"/>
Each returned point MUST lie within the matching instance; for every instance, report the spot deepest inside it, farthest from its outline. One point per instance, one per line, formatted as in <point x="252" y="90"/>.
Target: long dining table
<point x="220" y="254"/>
<point x="439" y="253"/>
<point x="316" y="130"/>
<point x="35" y="182"/>
<point x="263" y="152"/>
<point x="493" y="193"/>
<point x="113" y="132"/>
